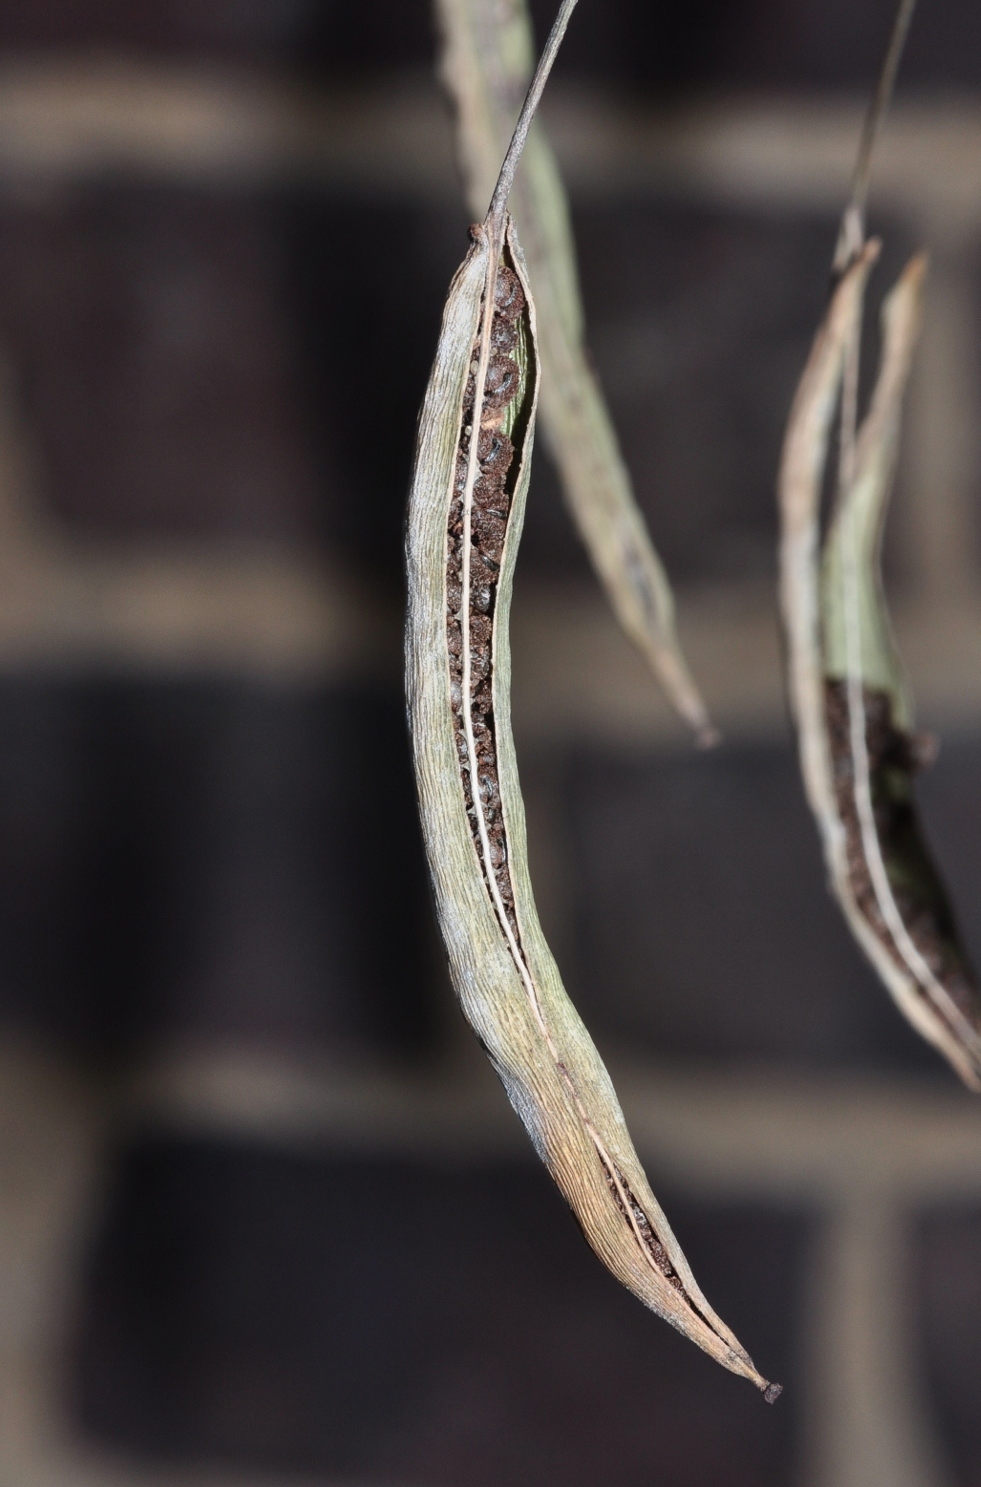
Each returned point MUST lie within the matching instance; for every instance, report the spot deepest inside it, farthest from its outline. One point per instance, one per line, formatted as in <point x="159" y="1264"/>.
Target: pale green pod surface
<point x="486" y="62"/>
<point x="852" y="708"/>
<point x="503" y="972"/>
<point x="859" y="513"/>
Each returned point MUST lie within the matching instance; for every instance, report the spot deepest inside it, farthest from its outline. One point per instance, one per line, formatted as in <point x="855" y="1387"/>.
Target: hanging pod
<point x="466" y="509"/>
<point x="858" y="751"/>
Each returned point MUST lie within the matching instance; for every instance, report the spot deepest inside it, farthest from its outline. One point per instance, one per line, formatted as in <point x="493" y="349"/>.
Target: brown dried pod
<point x="852" y="708"/>
<point x="458" y="683"/>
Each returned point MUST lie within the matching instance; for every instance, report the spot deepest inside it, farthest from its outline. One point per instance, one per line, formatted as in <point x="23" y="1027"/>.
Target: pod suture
<point x="475" y="543"/>
<point x="895" y="757"/>
<point x="466" y="510"/>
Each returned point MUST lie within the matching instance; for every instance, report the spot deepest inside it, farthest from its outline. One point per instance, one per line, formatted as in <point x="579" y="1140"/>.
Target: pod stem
<point x="851" y="237"/>
<point x="498" y="204"/>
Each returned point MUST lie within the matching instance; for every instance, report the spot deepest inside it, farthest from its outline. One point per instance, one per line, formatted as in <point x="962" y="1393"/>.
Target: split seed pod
<point x="466" y="510"/>
<point x="852" y="709"/>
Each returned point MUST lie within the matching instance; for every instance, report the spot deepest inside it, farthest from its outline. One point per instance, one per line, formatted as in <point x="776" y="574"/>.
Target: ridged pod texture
<point x="502" y="969"/>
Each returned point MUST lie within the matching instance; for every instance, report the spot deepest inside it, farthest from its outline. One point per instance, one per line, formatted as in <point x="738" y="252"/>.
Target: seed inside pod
<point x="501" y="384"/>
<point x="495" y="453"/>
<point x="894" y="756"/>
<point x="488" y="522"/>
<point x="490" y="502"/>
<point x="509" y="299"/>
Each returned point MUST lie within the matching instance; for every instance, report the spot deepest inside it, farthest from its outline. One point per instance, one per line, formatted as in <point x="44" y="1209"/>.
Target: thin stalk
<point x="851" y="237"/>
<point x="505" y="180"/>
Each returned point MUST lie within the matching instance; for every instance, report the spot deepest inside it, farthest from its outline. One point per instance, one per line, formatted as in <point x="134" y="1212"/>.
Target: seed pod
<point x="458" y="681"/>
<point x="475" y="434"/>
<point x="853" y="714"/>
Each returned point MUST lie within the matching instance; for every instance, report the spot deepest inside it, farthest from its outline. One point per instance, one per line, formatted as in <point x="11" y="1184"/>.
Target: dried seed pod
<point x="458" y="683"/>
<point x="502" y="969"/>
<point x="487" y="57"/>
<point x="853" y="714"/>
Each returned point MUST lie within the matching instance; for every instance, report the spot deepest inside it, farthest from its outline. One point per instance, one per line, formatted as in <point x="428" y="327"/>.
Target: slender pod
<point x="486" y="62"/>
<point x="853" y="712"/>
<point x="466" y="509"/>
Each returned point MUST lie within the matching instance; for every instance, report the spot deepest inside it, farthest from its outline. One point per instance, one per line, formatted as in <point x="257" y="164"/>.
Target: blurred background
<point x="266" y="1216"/>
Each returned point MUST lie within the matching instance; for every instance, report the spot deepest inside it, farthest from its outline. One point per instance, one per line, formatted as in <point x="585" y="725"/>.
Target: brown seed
<point x="509" y="299"/>
<point x="483" y="701"/>
<point x="494" y="452"/>
<point x="483" y="570"/>
<point x="502" y="382"/>
<point x="490" y="495"/>
<point x="504" y="334"/>
<point x="489" y="531"/>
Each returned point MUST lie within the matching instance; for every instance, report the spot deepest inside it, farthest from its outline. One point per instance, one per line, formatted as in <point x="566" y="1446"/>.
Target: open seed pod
<point x="466" y="508"/>
<point x="465" y="515"/>
<point x="852" y="710"/>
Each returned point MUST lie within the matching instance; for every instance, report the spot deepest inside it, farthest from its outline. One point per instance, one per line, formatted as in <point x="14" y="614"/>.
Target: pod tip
<point x="772" y="1393"/>
<point x="707" y="737"/>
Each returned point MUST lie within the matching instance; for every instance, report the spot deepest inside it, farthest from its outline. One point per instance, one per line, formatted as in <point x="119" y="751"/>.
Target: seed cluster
<point x="894" y="757"/>
<point x="488" y="526"/>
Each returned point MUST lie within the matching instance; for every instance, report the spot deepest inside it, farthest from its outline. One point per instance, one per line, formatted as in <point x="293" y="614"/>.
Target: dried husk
<point x="509" y="988"/>
<point x="486" y="63"/>
<point x="841" y="653"/>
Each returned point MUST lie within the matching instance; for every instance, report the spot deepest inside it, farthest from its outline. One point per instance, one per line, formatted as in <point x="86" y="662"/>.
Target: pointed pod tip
<point x="861" y="258"/>
<point x="971" y="1078"/>
<point x="871" y="251"/>
<point x="918" y="267"/>
<point x="772" y="1393"/>
<point x="708" y="737"/>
